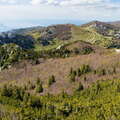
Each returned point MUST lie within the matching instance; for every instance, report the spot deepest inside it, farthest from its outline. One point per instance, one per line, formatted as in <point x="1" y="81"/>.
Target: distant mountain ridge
<point x="95" y="32"/>
<point x="116" y="23"/>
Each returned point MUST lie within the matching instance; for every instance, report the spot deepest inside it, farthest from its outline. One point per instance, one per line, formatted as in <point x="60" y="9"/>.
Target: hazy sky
<point x="44" y="12"/>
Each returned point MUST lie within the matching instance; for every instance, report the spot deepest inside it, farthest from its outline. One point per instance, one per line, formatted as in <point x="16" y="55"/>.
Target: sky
<point x="26" y="13"/>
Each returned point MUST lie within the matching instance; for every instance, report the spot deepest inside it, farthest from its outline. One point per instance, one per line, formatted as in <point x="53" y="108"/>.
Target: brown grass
<point x="60" y="68"/>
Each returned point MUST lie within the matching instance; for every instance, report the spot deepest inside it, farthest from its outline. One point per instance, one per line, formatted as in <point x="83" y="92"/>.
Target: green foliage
<point x="83" y="51"/>
<point x="24" y="41"/>
<point x="39" y="86"/>
<point x="85" y="69"/>
<point x="102" y="99"/>
<point x="12" y="91"/>
<point x="86" y="50"/>
<point x="51" y="80"/>
<point x="9" y="54"/>
<point x="100" y="72"/>
<point x="34" y="102"/>
<point x="118" y="88"/>
<point x="98" y="36"/>
<point x="114" y="70"/>
<point x="56" y="53"/>
<point x="18" y="93"/>
<point x="12" y="53"/>
<point x="6" y="91"/>
<point x="80" y="87"/>
<point x="79" y="72"/>
<point x="38" y="81"/>
<point x="72" y="76"/>
<point x="30" y="86"/>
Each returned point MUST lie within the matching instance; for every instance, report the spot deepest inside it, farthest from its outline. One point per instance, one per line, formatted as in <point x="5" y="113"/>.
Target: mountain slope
<point x="71" y="74"/>
<point x="26" y="42"/>
<point x="95" y="32"/>
<point x="53" y="41"/>
<point x="116" y="23"/>
<point x="99" y="33"/>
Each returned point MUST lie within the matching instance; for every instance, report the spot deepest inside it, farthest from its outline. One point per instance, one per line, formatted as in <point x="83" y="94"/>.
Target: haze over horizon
<point x="27" y="13"/>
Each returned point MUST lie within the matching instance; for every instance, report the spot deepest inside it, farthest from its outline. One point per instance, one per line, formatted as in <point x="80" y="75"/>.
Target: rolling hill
<point x="95" y="32"/>
<point x="60" y="72"/>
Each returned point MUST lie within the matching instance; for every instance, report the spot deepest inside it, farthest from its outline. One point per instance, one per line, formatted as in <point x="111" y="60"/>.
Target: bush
<point x="76" y="51"/>
<point x="118" y="88"/>
<point x="114" y="70"/>
<point x="38" y="81"/>
<point x="72" y="77"/>
<point x="71" y="70"/>
<point x="51" y="80"/>
<point x="18" y="93"/>
<point x="85" y="69"/>
<point x="31" y="86"/>
<point x="86" y="50"/>
<point x="80" y="87"/>
<point x="35" y="103"/>
<point x="101" y="72"/>
<point x="6" y="91"/>
<point x="39" y="88"/>
<point x="13" y="92"/>
<point x="78" y="72"/>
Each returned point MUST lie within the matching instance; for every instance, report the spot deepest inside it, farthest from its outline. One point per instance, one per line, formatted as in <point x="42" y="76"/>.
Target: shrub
<point x="85" y="69"/>
<point x="6" y="91"/>
<point x="38" y="81"/>
<point x="72" y="77"/>
<point x="39" y="88"/>
<point x="86" y="50"/>
<point x="65" y="109"/>
<point x="71" y="70"/>
<point x="74" y="72"/>
<point x="78" y="72"/>
<point x="76" y="51"/>
<point x="13" y="92"/>
<point x="51" y="80"/>
<point x="84" y="78"/>
<point x="35" y="103"/>
<point x="31" y="86"/>
<point x="118" y="88"/>
<point x="114" y="70"/>
<point x="101" y="72"/>
<point x="97" y="88"/>
<point x="18" y="93"/>
<point x="80" y="87"/>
